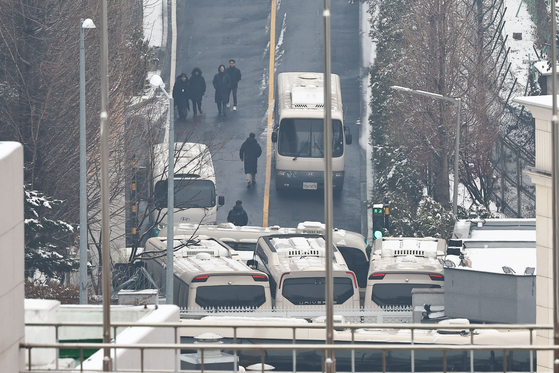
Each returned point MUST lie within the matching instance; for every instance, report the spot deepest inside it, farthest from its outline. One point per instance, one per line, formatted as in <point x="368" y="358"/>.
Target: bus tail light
<point x="436" y="277"/>
<point x="354" y="279"/>
<point x="260" y="277"/>
<point x="377" y="276"/>
<point x="200" y="279"/>
<point x="281" y="279"/>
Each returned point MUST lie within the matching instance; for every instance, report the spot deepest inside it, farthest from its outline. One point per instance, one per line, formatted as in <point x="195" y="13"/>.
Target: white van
<point x="296" y="264"/>
<point x="208" y="274"/>
<point x="400" y="264"/>
<point x="194" y="179"/>
<point x="353" y="246"/>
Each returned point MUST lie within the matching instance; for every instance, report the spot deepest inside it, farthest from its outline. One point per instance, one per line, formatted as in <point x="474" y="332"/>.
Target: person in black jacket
<point x="222" y="85"/>
<point x="197" y="89"/>
<point x="235" y="75"/>
<point x="249" y="153"/>
<point x="237" y="215"/>
<point x="181" y="96"/>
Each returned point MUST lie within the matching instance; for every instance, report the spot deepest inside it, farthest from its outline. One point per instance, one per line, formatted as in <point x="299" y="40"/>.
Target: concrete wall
<point x="541" y="107"/>
<point x="161" y="360"/>
<point x="490" y="297"/>
<point x="11" y="251"/>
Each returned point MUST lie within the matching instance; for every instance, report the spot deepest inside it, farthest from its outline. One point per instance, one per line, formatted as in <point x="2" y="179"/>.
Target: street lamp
<point x="156" y="81"/>
<point x="88" y="23"/>
<point x="456" y="101"/>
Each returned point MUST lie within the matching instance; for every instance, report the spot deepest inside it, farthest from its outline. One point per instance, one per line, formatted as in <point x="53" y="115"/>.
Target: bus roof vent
<point x="407" y="247"/>
<point x="203" y="256"/>
<point x="310" y="97"/>
<point x="310" y="227"/>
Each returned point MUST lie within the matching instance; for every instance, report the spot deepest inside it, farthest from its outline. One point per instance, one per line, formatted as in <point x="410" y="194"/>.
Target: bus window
<point x="311" y="290"/>
<point x="396" y="294"/>
<point x="237" y="296"/>
<point x="194" y="193"/>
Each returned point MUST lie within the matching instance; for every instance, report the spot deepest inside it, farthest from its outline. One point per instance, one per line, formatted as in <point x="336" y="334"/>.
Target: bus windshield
<point x="312" y="290"/>
<point x="236" y="296"/>
<point x="194" y="193"/>
<point x="304" y="137"/>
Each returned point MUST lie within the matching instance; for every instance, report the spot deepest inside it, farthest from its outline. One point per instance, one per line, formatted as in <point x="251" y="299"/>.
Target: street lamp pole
<point x="156" y="81"/>
<point x="458" y="102"/>
<point x="88" y="23"/>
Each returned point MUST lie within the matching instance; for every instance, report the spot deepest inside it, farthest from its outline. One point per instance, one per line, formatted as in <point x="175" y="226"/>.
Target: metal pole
<point x="83" y="178"/>
<point x="555" y="185"/>
<point x="456" y="160"/>
<point x="170" y="202"/>
<point x="330" y="363"/>
<point x="105" y="229"/>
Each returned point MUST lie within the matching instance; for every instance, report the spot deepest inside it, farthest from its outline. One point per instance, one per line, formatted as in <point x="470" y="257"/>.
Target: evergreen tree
<point x="47" y="240"/>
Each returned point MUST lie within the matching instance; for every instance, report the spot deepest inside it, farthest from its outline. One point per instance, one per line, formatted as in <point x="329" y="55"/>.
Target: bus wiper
<point x="319" y="149"/>
<point x="300" y="151"/>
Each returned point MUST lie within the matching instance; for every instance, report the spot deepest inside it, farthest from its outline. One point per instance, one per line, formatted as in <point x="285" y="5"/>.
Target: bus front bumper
<point x="308" y="180"/>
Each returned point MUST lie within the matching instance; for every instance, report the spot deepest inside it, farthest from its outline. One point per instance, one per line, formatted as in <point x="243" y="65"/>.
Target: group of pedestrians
<point x="225" y="82"/>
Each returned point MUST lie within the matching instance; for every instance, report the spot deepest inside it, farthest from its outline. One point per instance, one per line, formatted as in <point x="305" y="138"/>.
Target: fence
<point x="493" y="354"/>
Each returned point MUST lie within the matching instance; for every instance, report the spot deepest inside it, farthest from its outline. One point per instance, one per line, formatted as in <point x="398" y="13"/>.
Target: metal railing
<point x="387" y="350"/>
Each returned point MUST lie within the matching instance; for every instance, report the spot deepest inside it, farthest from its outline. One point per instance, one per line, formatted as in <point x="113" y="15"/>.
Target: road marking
<point x="270" y="115"/>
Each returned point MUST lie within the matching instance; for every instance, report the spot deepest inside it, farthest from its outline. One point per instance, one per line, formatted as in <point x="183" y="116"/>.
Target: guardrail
<point x="383" y="363"/>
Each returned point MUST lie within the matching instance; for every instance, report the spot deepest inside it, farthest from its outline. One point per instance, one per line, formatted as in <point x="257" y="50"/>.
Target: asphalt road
<point x="211" y="33"/>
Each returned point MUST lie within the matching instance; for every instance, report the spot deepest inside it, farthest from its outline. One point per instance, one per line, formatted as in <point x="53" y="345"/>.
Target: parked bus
<point x="299" y="132"/>
<point x="353" y="246"/>
<point x="296" y="264"/>
<point x="400" y="264"/>
<point x="207" y="274"/>
<point x="196" y="199"/>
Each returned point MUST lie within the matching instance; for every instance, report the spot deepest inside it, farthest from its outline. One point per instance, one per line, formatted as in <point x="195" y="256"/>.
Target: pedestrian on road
<point x="235" y="75"/>
<point x="249" y="153"/>
<point x="197" y="89"/>
<point x="222" y="85"/>
<point x="237" y="215"/>
<point x="181" y="96"/>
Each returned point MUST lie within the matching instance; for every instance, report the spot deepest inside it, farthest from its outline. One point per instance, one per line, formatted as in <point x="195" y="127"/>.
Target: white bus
<point x="354" y="247"/>
<point x="299" y="132"/>
<point x="196" y="199"/>
<point x="296" y="263"/>
<point x="207" y="274"/>
<point x="400" y="264"/>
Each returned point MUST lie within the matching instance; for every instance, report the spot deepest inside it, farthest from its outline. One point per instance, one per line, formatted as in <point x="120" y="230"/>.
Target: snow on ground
<point x="153" y="22"/>
<point x="518" y="20"/>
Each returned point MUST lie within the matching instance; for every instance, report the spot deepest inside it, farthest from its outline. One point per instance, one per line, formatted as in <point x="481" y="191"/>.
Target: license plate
<point x="312" y="186"/>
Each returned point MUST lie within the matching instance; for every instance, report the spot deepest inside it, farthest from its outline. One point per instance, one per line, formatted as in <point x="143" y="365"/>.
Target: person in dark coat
<point x="181" y="96"/>
<point x="235" y="75"/>
<point x="222" y="85"/>
<point x="197" y="89"/>
<point x="249" y="153"/>
<point x="237" y="215"/>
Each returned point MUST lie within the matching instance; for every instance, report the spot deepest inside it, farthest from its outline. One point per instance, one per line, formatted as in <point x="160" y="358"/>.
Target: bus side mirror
<point x="348" y="137"/>
<point x="221" y="200"/>
<point x="160" y="194"/>
<point x="252" y="264"/>
<point x="274" y="136"/>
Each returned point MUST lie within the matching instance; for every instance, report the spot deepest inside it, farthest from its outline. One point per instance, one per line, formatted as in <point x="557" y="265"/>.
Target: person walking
<point x="249" y="153"/>
<point x="181" y="96"/>
<point x="222" y="85"/>
<point x="197" y="89"/>
<point x="237" y="215"/>
<point x="235" y="75"/>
